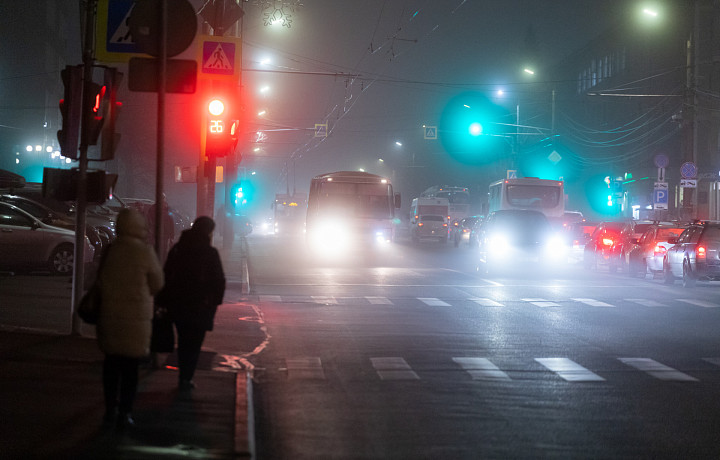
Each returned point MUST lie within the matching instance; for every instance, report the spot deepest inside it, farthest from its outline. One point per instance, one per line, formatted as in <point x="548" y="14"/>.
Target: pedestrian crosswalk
<point x="485" y="302"/>
<point x="390" y="368"/>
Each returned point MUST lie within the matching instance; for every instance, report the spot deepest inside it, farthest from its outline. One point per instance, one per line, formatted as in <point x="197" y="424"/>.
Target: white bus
<point x="458" y="197"/>
<point x="350" y="210"/>
<point x="544" y="195"/>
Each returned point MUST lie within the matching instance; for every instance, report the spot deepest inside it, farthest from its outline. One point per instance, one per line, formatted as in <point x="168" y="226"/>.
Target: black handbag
<point x="163" y="333"/>
<point x="89" y="306"/>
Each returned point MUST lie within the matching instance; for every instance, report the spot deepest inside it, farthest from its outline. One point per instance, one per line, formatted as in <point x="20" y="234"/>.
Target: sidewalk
<point x="51" y="397"/>
<point x="51" y="406"/>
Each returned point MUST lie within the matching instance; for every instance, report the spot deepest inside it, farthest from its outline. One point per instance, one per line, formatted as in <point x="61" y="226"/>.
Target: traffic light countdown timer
<point x="100" y="114"/>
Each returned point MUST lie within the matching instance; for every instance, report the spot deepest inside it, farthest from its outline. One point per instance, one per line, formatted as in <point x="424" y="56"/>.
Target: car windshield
<point x="664" y="234"/>
<point x="711" y="235"/>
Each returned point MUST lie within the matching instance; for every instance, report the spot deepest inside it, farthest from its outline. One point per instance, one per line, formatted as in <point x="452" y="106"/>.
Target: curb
<point x="244" y="442"/>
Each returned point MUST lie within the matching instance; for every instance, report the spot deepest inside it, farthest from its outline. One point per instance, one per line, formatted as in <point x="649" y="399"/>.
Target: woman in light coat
<point x="129" y="278"/>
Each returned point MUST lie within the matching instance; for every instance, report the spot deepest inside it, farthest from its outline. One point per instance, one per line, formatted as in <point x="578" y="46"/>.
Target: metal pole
<point x="160" y="160"/>
<point x="81" y="203"/>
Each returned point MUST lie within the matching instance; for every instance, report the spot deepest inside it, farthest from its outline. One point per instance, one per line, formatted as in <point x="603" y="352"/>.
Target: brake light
<point x="701" y="252"/>
<point x="420" y="224"/>
<point x="659" y="250"/>
<point x="444" y="225"/>
<point x="607" y="241"/>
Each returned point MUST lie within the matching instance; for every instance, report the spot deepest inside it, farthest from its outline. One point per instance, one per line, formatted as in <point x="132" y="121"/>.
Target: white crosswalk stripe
<point x="378" y="300"/>
<point x="393" y="368"/>
<point x="481" y="369"/>
<point x="433" y="302"/>
<point x="305" y="368"/>
<point x="658" y="370"/>
<point x="699" y="303"/>
<point x="486" y="302"/>
<point x="327" y="300"/>
<point x="541" y="302"/>
<point x="647" y="303"/>
<point x="271" y="298"/>
<point x="715" y="361"/>
<point x="593" y="302"/>
<point x="569" y="370"/>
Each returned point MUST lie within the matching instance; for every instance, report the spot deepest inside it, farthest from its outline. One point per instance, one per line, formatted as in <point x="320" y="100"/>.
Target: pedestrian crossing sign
<point x="219" y="58"/>
<point x="113" y="38"/>
<point x="430" y="132"/>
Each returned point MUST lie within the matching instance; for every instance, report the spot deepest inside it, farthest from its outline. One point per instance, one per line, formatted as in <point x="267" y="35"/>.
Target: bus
<point x="350" y="210"/>
<point x="289" y="213"/>
<point x="458" y="198"/>
<point x="544" y="195"/>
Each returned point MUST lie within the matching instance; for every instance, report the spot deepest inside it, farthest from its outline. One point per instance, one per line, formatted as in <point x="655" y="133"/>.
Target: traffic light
<point x="71" y="111"/>
<point x="110" y="139"/>
<point x="221" y="130"/>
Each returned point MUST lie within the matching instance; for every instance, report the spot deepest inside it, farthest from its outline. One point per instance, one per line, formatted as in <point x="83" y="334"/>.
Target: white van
<point x="429" y="219"/>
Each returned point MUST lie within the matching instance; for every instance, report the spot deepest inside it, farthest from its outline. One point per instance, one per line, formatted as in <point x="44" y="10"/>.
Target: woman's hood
<point x="131" y="223"/>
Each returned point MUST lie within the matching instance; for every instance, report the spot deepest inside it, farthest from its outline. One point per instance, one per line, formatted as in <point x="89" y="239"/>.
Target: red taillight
<point x="466" y="230"/>
<point x="701" y="252"/>
<point x="444" y="225"/>
<point x="607" y="241"/>
<point x="659" y="250"/>
<point x="420" y="224"/>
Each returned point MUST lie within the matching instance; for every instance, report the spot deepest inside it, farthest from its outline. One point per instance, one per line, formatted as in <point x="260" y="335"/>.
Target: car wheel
<point x="688" y="279"/>
<point x="61" y="260"/>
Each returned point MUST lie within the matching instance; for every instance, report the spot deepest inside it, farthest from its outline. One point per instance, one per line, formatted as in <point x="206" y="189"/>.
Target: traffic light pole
<point x="81" y="205"/>
<point x="160" y="159"/>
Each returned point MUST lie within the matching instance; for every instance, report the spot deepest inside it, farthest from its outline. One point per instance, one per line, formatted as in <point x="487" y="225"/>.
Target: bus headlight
<point x="331" y="238"/>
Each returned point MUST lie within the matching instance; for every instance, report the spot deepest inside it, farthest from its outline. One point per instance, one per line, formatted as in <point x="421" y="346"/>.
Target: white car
<point x="28" y="243"/>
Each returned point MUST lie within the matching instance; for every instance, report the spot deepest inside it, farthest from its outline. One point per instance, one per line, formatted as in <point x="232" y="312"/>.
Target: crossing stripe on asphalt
<point x="433" y="302"/>
<point x="542" y="302"/>
<point x="481" y="369"/>
<point x="699" y="303"/>
<point x="647" y="303"/>
<point x="270" y="298"/>
<point x="715" y="361"/>
<point x="658" y="370"/>
<point x="486" y="302"/>
<point x="378" y="300"/>
<point x="569" y="370"/>
<point x="327" y="300"/>
<point x="393" y="368"/>
<point x="308" y="367"/>
<point x="593" y="303"/>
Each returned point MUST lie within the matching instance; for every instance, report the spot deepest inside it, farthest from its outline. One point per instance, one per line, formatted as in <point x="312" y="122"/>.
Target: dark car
<point x="460" y="230"/>
<point x="648" y="254"/>
<point x="600" y="249"/>
<point x="578" y="234"/>
<point x="519" y="239"/>
<point x="695" y="254"/>
<point x="629" y="235"/>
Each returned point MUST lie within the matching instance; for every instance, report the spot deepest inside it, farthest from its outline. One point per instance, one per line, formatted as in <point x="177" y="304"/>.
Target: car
<point x="630" y="233"/>
<point x="695" y="254"/>
<point x="599" y="249"/>
<point x="648" y="253"/>
<point x="429" y="226"/>
<point x="460" y="230"/>
<point x="27" y="243"/>
<point x="50" y="217"/>
<point x="511" y="239"/>
<point x="578" y="234"/>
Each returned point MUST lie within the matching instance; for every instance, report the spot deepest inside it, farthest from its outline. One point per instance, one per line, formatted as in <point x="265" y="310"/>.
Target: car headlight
<point x="330" y="238"/>
<point x="498" y="244"/>
<point x="555" y="247"/>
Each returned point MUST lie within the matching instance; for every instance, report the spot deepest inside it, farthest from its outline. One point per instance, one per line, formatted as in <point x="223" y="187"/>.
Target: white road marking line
<point x="378" y="300"/>
<point x="658" y="370"/>
<point x="699" y="303"/>
<point x="593" y="303"/>
<point x="542" y="303"/>
<point x="305" y="368"/>
<point x="328" y="300"/>
<point x="715" y="361"/>
<point x="569" y="370"/>
<point x="393" y="368"/>
<point x="647" y="303"/>
<point x="486" y="302"/>
<point x="433" y="302"/>
<point x="270" y="298"/>
<point x="481" y="369"/>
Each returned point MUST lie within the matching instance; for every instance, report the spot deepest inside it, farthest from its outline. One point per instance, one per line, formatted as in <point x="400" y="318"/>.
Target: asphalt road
<point x="416" y="355"/>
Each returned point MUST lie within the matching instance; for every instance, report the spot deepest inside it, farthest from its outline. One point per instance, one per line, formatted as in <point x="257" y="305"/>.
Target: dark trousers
<point x="120" y="382"/>
<point x="190" y="338"/>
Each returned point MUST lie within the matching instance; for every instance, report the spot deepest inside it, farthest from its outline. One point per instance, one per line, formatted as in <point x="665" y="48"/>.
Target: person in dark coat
<point x="194" y="287"/>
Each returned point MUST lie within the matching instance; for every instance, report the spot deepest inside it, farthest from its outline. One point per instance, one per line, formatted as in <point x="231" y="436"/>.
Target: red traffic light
<point x="216" y="107"/>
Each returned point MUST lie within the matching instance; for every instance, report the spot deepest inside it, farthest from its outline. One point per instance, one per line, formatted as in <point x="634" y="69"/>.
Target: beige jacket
<point x="131" y="275"/>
